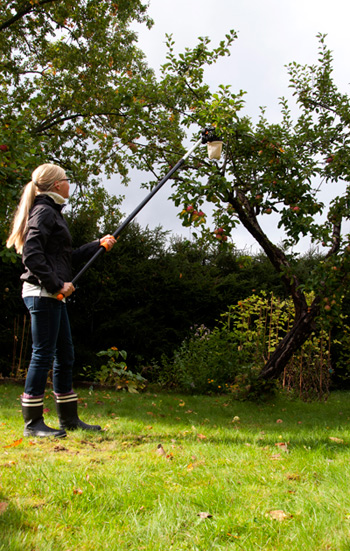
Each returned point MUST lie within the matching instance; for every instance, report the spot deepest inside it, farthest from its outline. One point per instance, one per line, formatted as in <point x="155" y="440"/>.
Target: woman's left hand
<point x="107" y="241"/>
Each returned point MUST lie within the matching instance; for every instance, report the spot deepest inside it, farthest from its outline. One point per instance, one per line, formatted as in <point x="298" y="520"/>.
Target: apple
<point x="189" y="208"/>
<point x="295" y="209"/>
<point x="327" y="307"/>
<point x="219" y="230"/>
<point x="4" y="147"/>
<point x="330" y="159"/>
<point x="268" y="211"/>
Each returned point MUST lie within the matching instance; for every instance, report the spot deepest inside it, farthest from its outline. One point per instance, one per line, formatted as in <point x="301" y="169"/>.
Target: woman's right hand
<point x="67" y="289"/>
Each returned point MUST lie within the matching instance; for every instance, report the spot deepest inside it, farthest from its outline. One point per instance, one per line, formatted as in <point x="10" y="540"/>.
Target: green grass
<point x="114" y="491"/>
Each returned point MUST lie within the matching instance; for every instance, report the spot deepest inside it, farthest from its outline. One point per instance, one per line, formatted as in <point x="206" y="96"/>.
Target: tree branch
<point x="25" y="10"/>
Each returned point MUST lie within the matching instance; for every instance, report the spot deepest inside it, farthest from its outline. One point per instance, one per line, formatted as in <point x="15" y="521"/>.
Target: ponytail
<point x="20" y="220"/>
<point x="43" y="179"/>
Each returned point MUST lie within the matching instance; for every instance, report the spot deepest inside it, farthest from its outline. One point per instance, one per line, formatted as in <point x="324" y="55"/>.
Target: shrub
<point x="115" y="372"/>
<point x="230" y="357"/>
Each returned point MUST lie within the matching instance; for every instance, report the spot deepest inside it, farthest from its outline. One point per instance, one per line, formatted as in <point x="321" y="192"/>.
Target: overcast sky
<point x="271" y="34"/>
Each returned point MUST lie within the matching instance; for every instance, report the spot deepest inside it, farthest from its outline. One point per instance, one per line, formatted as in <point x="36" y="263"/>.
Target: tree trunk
<point x="302" y="328"/>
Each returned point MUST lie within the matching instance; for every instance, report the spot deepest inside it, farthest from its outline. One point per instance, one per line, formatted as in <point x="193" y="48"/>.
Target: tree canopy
<point x="73" y="90"/>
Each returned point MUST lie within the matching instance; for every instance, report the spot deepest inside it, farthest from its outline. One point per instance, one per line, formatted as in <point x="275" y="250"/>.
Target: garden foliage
<point x="229" y="358"/>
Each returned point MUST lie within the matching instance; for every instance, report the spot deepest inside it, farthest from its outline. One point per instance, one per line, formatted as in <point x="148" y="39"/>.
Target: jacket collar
<point x="44" y="199"/>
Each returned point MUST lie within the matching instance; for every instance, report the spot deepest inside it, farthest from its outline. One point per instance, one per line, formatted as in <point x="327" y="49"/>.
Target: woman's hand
<point x="107" y="241"/>
<point x="67" y="289"/>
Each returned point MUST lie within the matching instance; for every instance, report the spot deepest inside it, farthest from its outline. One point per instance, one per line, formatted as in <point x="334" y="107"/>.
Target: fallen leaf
<point x="278" y="515"/>
<point x="190" y="467"/>
<point x="88" y="480"/>
<point x="182" y="403"/>
<point x="77" y="491"/>
<point x="336" y="440"/>
<point x="201" y="436"/>
<point x="3" y="507"/>
<point x="160" y="450"/>
<point x="279" y="421"/>
<point x="283" y="446"/>
<point x="293" y="476"/>
<point x="276" y="457"/>
<point x="204" y="515"/>
<point x="15" y="443"/>
<point x="59" y="448"/>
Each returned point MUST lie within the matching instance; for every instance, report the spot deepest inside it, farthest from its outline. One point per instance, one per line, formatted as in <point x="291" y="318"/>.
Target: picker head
<point x="214" y="143"/>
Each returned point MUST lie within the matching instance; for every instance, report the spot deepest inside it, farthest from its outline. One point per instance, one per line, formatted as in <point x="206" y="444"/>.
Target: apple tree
<point x="272" y="171"/>
<point x="74" y="90"/>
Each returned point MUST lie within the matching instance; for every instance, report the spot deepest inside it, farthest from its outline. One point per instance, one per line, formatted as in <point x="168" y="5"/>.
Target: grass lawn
<point x="229" y="475"/>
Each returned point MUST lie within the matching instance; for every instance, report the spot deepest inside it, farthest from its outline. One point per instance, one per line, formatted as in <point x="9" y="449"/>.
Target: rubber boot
<point x="67" y="411"/>
<point x="32" y="410"/>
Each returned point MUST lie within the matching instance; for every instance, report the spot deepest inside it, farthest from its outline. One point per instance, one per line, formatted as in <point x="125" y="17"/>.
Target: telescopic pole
<point x="134" y="213"/>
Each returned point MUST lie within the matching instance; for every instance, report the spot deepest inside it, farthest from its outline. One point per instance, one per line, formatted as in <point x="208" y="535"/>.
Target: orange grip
<point x="104" y="244"/>
<point x="60" y="296"/>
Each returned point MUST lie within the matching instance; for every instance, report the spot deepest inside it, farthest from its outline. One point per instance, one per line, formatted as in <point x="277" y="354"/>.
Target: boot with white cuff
<point x="34" y="425"/>
<point x="67" y="411"/>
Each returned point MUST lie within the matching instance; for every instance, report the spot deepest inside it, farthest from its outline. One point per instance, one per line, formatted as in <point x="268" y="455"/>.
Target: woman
<point x="41" y="234"/>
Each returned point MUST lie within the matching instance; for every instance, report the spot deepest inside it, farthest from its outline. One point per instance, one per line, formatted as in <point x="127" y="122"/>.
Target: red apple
<point x="4" y="147"/>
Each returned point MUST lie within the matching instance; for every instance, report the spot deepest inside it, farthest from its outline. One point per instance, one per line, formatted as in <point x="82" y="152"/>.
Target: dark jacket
<point x="47" y="252"/>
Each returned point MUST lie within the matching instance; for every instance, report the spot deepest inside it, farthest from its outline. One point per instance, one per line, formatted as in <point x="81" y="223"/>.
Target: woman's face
<point x="62" y="187"/>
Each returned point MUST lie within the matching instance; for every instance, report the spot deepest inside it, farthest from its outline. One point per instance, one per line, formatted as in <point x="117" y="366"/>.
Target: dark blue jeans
<point x="52" y="346"/>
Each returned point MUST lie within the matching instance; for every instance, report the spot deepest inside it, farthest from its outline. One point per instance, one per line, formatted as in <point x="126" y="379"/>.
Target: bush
<point x="230" y="357"/>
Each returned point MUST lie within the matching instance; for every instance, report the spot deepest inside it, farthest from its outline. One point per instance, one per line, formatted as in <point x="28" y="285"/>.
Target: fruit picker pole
<point x="204" y="139"/>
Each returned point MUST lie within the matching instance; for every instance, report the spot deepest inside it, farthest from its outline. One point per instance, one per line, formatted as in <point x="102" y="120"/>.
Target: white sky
<point x="271" y="34"/>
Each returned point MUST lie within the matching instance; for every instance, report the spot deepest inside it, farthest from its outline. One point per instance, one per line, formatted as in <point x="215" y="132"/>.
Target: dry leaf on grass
<point x="336" y="440"/>
<point x="201" y="436"/>
<point x="160" y="450"/>
<point x="59" y="448"/>
<point x="279" y="515"/>
<point x="276" y="457"/>
<point x="283" y="446"/>
<point x="293" y="476"/>
<point x="3" y="507"/>
<point x="15" y="443"/>
<point x="204" y="515"/>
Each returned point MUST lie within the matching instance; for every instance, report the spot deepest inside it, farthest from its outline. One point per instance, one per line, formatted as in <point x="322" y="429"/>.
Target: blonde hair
<point x="42" y="181"/>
